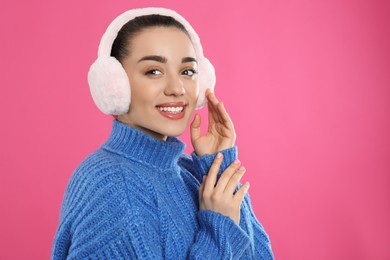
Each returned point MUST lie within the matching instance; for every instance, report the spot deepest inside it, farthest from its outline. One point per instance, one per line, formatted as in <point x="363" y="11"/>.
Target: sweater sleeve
<point x="254" y="236"/>
<point x="260" y="242"/>
<point x="203" y="163"/>
<point x="218" y="238"/>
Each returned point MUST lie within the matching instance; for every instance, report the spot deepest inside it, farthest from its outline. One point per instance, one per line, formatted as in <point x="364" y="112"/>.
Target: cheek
<point x="143" y="90"/>
<point x="193" y="91"/>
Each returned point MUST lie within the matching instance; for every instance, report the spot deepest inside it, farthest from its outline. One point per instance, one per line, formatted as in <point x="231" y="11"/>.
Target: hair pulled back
<point x="120" y="47"/>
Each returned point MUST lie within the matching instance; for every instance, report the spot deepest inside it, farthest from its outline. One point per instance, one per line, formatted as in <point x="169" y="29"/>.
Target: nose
<point x="174" y="86"/>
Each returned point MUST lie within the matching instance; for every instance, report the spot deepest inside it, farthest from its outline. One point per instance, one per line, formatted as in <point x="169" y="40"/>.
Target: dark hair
<point x="131" y="28"/>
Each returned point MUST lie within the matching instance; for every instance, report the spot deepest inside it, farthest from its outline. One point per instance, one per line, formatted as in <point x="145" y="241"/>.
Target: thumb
<point x="195" y="128"/>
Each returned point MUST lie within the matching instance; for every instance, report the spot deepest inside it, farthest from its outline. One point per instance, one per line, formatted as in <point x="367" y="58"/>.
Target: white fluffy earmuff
<point x="108" y="81"/>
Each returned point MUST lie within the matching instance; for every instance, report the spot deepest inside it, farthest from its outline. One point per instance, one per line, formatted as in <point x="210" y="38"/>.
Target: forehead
<point x="165" y="41"/>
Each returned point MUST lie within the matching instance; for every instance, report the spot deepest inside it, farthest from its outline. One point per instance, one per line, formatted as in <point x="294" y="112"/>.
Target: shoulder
<point x="97" y="175"/>
<point x="98" y="168"/>
<point x="102" y="172"/>
<point x="98" y="162"/>
<point x="106" y="177"/>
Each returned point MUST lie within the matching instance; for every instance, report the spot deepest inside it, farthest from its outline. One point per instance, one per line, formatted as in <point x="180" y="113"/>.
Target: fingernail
<point x="247" y="184"/>
<point x="219" y="155"/>
<point x="237" y="162"/>
<point x="242" y="168"/>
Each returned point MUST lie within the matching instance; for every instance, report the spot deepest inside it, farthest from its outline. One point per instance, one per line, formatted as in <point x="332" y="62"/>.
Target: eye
<point x="153" y="72"/>
<point x="190" y="72"/>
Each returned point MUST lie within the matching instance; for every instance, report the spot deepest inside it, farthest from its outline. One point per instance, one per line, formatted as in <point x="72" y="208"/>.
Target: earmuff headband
<point x="108" y="81"/>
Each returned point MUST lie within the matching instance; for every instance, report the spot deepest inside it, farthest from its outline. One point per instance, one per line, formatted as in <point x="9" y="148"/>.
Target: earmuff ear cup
<point x="109" y="85"/>
<point x="206" y="78"/>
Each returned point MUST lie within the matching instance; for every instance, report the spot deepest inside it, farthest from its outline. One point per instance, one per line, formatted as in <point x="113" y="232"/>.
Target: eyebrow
<point x="163" y="59"/>
<point x="188" y="59"/>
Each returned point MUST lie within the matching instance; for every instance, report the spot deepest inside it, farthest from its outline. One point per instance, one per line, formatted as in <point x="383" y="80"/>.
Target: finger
<point x="226" y="175"/>
<point x="201" y="190"/>
<point x="212" y="105"/>
<point x="234" y="180"/>
<point x="201" y="187"/>
<point x="227" y="121"/>
<point x="195" y="128"/>
<point x="240" y="194"/>
<point x="212" y="98"/>
<point x="212" y="113"/>
<point x="213" y="101"/>
<point x="213" y="172"/>
<point x="203" y="182"/>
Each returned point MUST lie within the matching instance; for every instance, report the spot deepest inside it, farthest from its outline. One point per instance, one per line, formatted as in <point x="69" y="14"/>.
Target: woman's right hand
<point x="218" y="196"/>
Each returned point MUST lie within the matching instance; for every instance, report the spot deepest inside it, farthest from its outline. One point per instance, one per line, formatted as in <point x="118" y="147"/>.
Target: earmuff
<point x="108" y="81"/>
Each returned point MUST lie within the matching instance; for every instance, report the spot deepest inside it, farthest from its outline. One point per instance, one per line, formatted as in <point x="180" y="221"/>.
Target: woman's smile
<point x="172" y="110"/>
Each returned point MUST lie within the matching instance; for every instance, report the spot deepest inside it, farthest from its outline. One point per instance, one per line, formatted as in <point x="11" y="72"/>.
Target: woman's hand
<point x="219" y="197"/>
<point x="220" y="134"/>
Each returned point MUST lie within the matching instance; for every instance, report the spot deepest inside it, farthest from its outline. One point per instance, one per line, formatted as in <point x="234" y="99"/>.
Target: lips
<point x="172" y="110"/>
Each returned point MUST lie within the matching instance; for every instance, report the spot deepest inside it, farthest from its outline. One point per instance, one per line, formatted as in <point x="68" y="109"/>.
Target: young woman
<point x="139" y="196"/>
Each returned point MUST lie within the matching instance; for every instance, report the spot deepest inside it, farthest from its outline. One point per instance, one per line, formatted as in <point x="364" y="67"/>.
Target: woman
<point x="139" y="196"/>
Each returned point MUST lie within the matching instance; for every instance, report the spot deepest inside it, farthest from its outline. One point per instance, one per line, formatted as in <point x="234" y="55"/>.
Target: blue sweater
<point x="137" y="198"/>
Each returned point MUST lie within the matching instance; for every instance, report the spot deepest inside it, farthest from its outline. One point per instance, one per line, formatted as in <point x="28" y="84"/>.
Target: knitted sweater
<point x="137" y="198"/>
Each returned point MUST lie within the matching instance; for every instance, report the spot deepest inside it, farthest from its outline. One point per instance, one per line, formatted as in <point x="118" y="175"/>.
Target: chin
<point x="174" y="131"/>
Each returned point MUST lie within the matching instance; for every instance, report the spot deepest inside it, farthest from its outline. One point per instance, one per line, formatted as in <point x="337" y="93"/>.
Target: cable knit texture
<point x="137" y="198"/>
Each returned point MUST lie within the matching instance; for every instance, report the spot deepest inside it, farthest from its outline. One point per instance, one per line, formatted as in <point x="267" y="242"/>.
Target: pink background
<point x="307" y="85"/>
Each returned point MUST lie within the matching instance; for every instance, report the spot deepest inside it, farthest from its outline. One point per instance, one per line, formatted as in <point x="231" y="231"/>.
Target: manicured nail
<point x="237" y="162"/>
<point x="242" y="168"/>
<point x="219" y="155"/>
<point x="247" y="185"/>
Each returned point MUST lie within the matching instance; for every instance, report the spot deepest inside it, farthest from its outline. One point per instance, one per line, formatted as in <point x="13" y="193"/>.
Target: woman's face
<point x="162" y="70"/>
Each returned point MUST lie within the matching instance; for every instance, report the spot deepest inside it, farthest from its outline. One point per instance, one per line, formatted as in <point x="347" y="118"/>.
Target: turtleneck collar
<point x="136" y="144"/>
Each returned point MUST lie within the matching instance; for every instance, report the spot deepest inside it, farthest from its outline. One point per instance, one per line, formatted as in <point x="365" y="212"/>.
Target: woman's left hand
<point x="220" y="134"/>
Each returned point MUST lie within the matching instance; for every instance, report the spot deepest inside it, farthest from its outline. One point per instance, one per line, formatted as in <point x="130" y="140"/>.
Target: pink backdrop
<point x="306" y="83"/>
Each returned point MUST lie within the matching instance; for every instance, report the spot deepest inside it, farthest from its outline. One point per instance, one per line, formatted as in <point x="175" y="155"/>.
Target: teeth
<point x="171" y="109"/>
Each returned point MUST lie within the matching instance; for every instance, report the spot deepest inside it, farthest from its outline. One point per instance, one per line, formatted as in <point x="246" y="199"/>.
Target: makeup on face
<point x="162" y="70"/>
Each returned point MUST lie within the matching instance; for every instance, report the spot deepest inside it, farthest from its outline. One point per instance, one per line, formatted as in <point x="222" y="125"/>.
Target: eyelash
<point x="192" y="70"/>
<point x="150" y="72"/>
